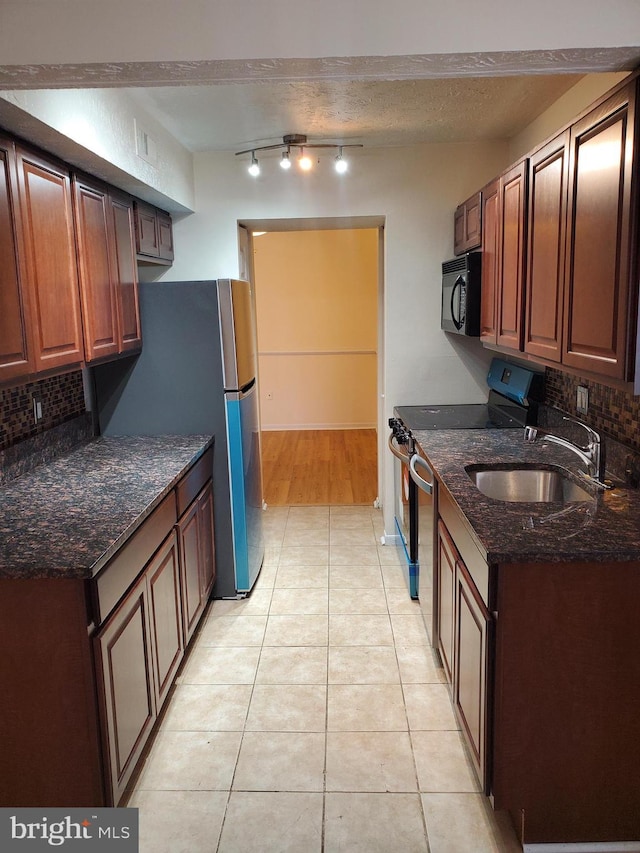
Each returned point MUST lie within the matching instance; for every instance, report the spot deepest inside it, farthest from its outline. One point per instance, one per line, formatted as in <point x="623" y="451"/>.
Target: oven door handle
<point x="423" y="484"/>
<point x="395" y="449"/>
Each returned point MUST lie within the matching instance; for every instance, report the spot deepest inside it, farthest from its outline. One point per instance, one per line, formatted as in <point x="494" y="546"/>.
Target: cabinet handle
<point x="425" y="485"/>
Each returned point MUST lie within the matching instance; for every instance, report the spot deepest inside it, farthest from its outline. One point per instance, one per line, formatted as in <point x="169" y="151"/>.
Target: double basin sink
<point x="526" y="484"/>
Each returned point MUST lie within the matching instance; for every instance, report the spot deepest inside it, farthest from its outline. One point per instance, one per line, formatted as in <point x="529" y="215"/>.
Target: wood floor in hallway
<point x="308" y="467"/>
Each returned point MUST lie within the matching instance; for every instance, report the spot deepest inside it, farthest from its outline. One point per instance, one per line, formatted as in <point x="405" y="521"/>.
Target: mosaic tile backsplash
<point x="62" y="399"/>
<point x="611" y="410"/>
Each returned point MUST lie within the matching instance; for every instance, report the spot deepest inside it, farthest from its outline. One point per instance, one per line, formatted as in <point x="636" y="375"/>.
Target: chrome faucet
<point x="592" y="455"/>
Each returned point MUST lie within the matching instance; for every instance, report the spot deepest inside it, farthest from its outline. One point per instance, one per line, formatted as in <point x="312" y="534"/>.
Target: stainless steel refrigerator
<point x="197" y="374"/>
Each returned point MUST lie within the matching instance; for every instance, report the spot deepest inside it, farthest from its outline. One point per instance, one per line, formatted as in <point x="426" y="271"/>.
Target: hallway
<point x="312" y="716"/>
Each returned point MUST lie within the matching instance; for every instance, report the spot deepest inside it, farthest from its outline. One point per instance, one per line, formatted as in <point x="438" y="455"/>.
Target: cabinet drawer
<point x="193" y="481"/>
<point x="465" y="543"/>
<point x="114" y="580"/>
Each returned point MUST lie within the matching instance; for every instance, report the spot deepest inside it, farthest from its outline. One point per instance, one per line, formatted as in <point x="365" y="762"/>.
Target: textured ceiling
<point x="229" y="116"/>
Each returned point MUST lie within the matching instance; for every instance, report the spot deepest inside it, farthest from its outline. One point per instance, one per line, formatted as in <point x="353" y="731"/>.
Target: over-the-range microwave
<point x="461" y="294"/>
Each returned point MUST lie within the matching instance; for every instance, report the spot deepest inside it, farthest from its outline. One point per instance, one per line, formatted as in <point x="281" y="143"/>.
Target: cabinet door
<point x="548" y="169"/>
<point x="471" y="669"/>
<point x="125" y="271"/>
<point x="190" y="560"/>
<point x="445" y="599"/>
<point x="473" y="222"/>
<point x="467" y="225"/>
<point x="601" y="217"/>
<point x="99" y="310"/>
<point x="510" y="292"/>
<point x="15" y="354"/>
<point x="50" y="268"/>
<point x="490" y="261"/>
<point x="165" y="236"/>
<point x="124" y="669"/>
<point x="459" y="243"/>
<point x="163" y="574"/>
<point x="208" y="567"/>
<point x="147" y="237"/>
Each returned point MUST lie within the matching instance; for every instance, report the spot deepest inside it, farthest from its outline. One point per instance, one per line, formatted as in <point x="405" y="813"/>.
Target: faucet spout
<point x="592" y="455"/>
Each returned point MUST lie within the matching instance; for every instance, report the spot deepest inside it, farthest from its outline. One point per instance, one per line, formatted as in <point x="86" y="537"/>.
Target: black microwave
<point x="461" y="295"/>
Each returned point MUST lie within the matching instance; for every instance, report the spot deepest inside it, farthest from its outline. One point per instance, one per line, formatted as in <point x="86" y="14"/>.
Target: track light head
<point x="341" y="164"/>
<point x="305" y="161"/>
<point x="285" y="162"/>
<point x="254" y="168"/>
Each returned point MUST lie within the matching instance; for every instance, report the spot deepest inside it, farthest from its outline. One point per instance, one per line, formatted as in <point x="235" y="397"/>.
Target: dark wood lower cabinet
<point x="445" y="601"/>
<point x="545" y="683"/>
<point x="124" y="670"/>
<point x="163" y="576"/>
<point x="87" y="665"/>
<point x="471" y="670"/>
<point x="195" y="529"/>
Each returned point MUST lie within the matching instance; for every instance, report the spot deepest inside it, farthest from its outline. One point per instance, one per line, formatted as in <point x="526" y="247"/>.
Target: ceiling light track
<point x="304" y="162"/>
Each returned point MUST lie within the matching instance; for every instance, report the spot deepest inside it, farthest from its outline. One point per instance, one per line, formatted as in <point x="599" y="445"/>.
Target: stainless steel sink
<point x="526" y="484"/>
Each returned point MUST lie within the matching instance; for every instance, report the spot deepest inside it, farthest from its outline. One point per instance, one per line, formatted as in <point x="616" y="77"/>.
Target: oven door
<point x="406" y="511"/>
<point x="425" y="483"/>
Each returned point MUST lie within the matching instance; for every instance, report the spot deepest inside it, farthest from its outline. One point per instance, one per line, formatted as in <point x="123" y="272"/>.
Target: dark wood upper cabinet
<point x="15" y="345"/>
<point x="490" y="261"/>
<point x="548" y="173"/>
<point x="601" y="256"/>
<point x="154" y="234"/>
<point x="50" y="268"/>
<point x="124" y="270"/>
<point x="165" y="235"/>
<point x="512" y="246"/>
<point x="467" y="224"/>
<point x="99" y="310"/>
<point x="107" y="269"/>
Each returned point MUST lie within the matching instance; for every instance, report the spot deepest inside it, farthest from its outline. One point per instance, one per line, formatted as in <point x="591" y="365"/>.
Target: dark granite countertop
<point x="606" y="528"/>
<point x="69" y="516"/>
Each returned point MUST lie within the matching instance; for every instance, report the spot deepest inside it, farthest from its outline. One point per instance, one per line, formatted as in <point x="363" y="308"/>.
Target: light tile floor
<point x="313" y="716"/>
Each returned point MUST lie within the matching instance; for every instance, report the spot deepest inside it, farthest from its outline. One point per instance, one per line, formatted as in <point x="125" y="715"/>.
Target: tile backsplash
<point x="612" y="411"/>
<point x="62" y="399"/>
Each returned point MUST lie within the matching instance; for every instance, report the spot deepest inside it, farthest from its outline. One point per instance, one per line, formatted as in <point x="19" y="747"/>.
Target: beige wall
<point x="316" y="297"/>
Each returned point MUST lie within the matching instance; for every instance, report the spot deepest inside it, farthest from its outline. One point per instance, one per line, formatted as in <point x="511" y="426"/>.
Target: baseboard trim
<point x="391" y="539"/>
<point x="585" y="847"/>
<point x="302" y="427"/>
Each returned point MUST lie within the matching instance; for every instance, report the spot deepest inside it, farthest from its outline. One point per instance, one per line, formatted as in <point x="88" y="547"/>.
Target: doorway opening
<point x="318" y="287"/>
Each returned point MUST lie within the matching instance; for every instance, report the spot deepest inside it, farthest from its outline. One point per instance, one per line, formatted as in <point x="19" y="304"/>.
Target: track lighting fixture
<point x="303" y="161"/>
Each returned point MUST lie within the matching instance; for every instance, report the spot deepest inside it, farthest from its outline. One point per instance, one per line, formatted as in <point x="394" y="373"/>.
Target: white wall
<point x="94" y="129"/>
<point x="564" y="110"/>
<point x="416" y="190"/>
<point x="94" y="31"/>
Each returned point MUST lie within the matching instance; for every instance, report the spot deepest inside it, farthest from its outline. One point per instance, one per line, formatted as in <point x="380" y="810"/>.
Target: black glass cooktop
<point x="497" y="413"/>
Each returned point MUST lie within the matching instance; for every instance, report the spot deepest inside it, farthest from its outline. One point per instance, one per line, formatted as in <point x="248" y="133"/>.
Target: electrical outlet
<point x="582" y="400"/>
<point x="36" y="402"/>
